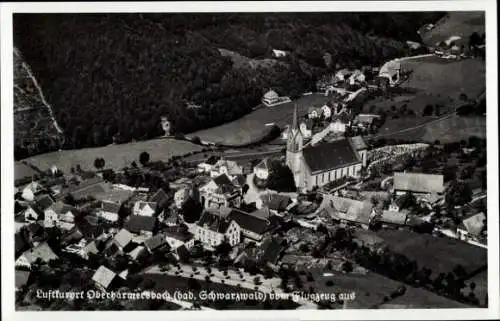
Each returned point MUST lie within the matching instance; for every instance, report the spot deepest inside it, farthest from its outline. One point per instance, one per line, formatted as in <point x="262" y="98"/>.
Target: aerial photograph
<point x="250" y="161"/>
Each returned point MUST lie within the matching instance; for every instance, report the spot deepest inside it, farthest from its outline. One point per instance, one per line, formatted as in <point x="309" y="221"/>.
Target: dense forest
<point x="112" y="76"/>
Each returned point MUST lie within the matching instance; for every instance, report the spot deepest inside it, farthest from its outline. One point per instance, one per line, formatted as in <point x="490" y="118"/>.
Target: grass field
<point x="447" y="129"/>
<point x="461" y="24"/>
<point x="115" y="156"/>
<point x="22" y="170"/>
<point x="438" y="254"/>
<point x="252" y="127"/>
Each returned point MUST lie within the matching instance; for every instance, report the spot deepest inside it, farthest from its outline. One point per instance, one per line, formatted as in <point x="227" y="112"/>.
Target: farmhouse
<point x="220" y="192"/>
<point x="471" y="227"/>
<point x="143" y="208"/>
<point x="141" y="225"/>
<point x="160" y="198"/>
<point x="59" y="212"/>
<point x="228" y="167"/>
<point x="253" y="227"/>
<point x="214" y="226"/>
<point x="41" y="252"/>
<point x="320" y="164"/>
<point x="349" y="211"/>
<point x="109" y="211"/>
<point x="156" y="243"/>
<point x="419" y="184"/>
<point x="103" y="278"/>
<point x="393" y="218"/>
<point x="31" y="213"/>
<point x="43" y="202"/>
<point x="31" y="190"/>
<point x="176" y="238"/>
<point x="261" y="170"/>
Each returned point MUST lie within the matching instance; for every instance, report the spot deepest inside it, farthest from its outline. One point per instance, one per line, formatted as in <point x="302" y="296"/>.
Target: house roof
<point x="136" y="252"/>
<point x="394" y="217"/>
<point x="224" y="184"/>
<point x="233" y="167"/>
<point x="214" y="222"/>
<point x="328" y="156"/>
<point x="276" y="202"/>
<point x="138" y="223"/>
<point x="350" y="210"/>
<point x="115" y="195"/>
<point x="91" y="248"/>
<point x="143" y="204"/>
<point x="20" y="243"/>
<point x="475" y="223"/>
<point x="42" y="251"/>
<point x="272" y="251"/>
<point x="43" y="202"/>
<point x="103" y="276"/>
<point x="160" y="197"/>
<point x="271" y="94"/>
<point x="176" y="233"/>
<point x="212" y="160"/>
<point x="358" y="142"/>
<point x="21" y="278"/>
<point x="263" y="164"/>
<point x="418" y="182"/>
<point x="61" y="208"/>
<point x="182" y="252"/>
<point x="250" y="222"/>
<point x="155" y="242"/>
<point x="110" y="207"/>
<point x="123" y="238"/>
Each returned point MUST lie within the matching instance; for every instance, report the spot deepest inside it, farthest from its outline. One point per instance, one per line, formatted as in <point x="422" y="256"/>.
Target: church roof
<point x="271" y="94"/>
<point x="330" y="156"/>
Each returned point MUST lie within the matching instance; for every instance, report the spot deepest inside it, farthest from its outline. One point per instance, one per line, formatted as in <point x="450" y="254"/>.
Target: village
<point x="375" y="226"/>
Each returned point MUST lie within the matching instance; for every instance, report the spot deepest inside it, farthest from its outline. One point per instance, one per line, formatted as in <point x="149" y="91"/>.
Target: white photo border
<point x="7" y="162"/>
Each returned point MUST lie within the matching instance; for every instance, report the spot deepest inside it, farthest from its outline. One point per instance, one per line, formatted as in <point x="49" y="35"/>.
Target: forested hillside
<point x="115" y="75"/>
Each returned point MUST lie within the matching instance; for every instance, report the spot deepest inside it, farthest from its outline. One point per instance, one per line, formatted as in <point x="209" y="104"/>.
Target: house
<point x="21" y="279"/>
<point x="275" y="202"/>
<point x="272" y="250"/>
<point x="20" y="244"/>
<point x="59" y="212"/>
<point x="220" y="192"/>
<point x="314" y="112"/>
<point x="215" y="226"/>
<point x="359" y="145"/>
<point x="306" y="128"/>
<point x="90" y="249"/>
<point x="141" y="225"/>
<point x="143" y="208"/>
<point x="181" y="196"/>
<point x="419" y="184"/>
<point x="390" y="218"/>
<point x="206" y="166"/>
<point x="122" y="239"/>
<point x="42" y="252"/>
<point x="115" y="195"/>
<point x="270" y="98"/>
<point x="43" y="202"/>
<point x="252" y="227"/>
<point x="32" y="214"/>
<point x="326" y="111"/>
<point x="471" y="227"/>
<point x="365" y="119"/>
<point x="342" y="75"/>
<point x="137" y="253"/>
<point x="348" y="211"/>
<point x="279" y="53"/>
<point x="160" y="198"/>
<point x="228" y="167"/>
<point x="91" y="187"/>
<point x="177" y="237"/>
<point x="31" y="190"/>
<point x="156" y="243"/>
<point x="261" y="170"/>
<point x="104" y="278"/>
<point x="109" y="211"/>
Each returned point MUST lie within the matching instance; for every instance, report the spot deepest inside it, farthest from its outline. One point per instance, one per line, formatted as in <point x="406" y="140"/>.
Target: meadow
<point x="115" y="156"/>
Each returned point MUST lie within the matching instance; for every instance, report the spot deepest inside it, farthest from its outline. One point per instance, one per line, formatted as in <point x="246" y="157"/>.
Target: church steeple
<point x="295" y="138"/>
<point x="295" y="121"/>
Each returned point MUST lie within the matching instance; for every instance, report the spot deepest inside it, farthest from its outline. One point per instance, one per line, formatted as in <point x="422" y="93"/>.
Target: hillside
<point x="115" y="75"/>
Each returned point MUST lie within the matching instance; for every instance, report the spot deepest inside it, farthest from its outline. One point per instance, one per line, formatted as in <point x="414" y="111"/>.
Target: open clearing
<point x="438" y="254"/>
<point x="461" y="24"/>
<point x="115" y="156"/>
<point x="252" y="127"/>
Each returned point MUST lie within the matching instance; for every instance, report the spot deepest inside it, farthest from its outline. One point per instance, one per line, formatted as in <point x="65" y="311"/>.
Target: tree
<point x="193" y="284"/>
<point x="99" y="163"/>
<point x="428" y="110"/>
<point x="347" y="267"/>
<point x="144" y="158"/>
<point x="458" y="194"/>
<point x="191" y="210"/>
<point x="407" y="201"/>
<point x="281" y="178"/>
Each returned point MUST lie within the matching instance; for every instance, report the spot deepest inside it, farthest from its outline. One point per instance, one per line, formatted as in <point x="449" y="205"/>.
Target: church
<point x="324" y="162"/>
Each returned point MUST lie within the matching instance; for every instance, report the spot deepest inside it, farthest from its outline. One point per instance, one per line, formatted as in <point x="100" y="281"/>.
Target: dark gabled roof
<point x="182" y="252"/>
<point x="176" y="233"/>
<point x="249" y="222"/>
<point x="62" y="208"/>
<point x="155" y="242"/>
<point x="276" y="201"/>
<point x="222" y="179"/>
<point x="330" y="156"/>
<point x="214" y="222"/>
<point x="86" y="183"/>
<point x="43" y="202"/>
<point x="212" y="160"/>
<point x="138" y="223"/>
<point x="159" y="197"/>
<point x="20" y="243"/>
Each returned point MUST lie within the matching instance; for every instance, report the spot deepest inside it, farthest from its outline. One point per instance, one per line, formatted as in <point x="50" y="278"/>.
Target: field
<point x="252" y="127"/>
<point x="451" y="128"/>
<point x="115" y="156"/>
<point x="481" y="290"/>
<point x="461" y="24"/>
<point x="22" y="171"/>
<point x="438" y="254"/>
<point x="371" y="288"/>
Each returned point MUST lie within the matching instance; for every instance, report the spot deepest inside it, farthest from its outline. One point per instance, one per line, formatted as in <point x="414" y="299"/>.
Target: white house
<point x="261" y="170"/>
<point x="314" y="112"/>
<point x="30" y="190"/>
<point x="279" y="53"/>
<point x="471" y="227"/>
<point x="31" y="214"/>
<point x="58" y="212"/>
<point x="270" y="98"/>
<point x="181" y="196"/>
<point x="176" y="238"/>
<point x="143" y="208"/>
<point x="214" y="227"/>
<point x="109" y="211"/>
<point x="220" y="192"/>
<point x="326" y="111"/>
<point x="225" y="166"/>
<point x="42" y="252"/>
<point x="305" y="129"/>
<point x="207" y="165"/>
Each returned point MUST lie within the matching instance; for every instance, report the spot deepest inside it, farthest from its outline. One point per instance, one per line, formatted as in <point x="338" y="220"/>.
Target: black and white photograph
<point x="250" y="159"/>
